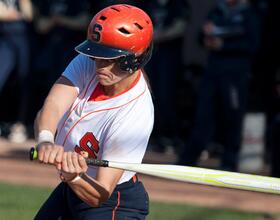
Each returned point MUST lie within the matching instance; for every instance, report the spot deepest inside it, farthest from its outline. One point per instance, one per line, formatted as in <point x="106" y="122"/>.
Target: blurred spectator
<point x="14" y="56"/>
<point x="268" y="84"/>
<point x="273" y="131"/>
<point x="194" y="59"/>
<point x="231" y="35"/>
<point x="61" y="25"/>
<point x="195" y="55"/>
<point x="169" y="18"/>
<point x="99" y="5"/>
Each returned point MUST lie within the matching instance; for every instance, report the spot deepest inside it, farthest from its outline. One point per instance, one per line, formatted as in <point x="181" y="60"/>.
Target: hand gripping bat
<point x="193" y="175"/>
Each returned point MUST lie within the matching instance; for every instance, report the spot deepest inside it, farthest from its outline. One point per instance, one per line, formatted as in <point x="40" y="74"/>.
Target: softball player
<point x="100" y="107"/>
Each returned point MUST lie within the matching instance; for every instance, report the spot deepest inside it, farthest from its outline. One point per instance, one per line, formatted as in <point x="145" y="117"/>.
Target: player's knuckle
<point x="84" y="169"/>
<point x="72" y="169"/>
<point x="74" y="156"/>
<point x="49" y="147"/>
<point x="79" y="170"/>
<point x="65" y="168"/>
<point x="46" y="160"/>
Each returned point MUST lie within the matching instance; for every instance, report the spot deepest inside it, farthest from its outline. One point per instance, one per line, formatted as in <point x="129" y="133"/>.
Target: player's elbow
<point x="94" y="203"/>
<point x="97" y="202"/>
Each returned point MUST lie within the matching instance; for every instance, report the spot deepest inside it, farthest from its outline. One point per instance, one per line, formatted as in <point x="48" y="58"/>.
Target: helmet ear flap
<point x="130" y="63"/>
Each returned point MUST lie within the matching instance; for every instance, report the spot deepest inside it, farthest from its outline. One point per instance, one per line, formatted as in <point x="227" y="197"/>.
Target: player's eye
<point x="105" y="61"/>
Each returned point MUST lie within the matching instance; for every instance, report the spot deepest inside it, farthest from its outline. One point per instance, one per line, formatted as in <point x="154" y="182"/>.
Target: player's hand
<point x="73" y="164"/>
<point x="49" y="153"/>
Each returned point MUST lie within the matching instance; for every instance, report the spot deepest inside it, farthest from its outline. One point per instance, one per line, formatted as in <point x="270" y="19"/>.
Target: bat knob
<point x="33" y="154"/>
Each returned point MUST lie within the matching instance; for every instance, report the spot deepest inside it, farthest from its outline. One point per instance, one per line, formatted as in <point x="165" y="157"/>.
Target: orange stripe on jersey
<point x="116" y="207"/>
<point x="98" y="93"/>
<point x="134" y="178"/>
<point x="100" y="110"/>
<point x="73" y="109"/>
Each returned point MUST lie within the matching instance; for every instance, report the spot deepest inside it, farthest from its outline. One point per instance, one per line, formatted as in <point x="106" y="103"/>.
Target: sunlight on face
<point x="108" y="71"/>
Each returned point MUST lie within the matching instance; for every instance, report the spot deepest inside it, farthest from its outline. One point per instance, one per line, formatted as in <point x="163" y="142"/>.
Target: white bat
<point x="194" y="175"/>
<point x="203" y="176"/>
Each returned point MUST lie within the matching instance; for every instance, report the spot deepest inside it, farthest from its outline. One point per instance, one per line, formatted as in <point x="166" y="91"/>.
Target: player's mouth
<point x="102" y="75"/>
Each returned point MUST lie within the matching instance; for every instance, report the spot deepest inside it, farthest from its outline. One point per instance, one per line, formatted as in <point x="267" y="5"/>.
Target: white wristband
<point x="45" y="136"/>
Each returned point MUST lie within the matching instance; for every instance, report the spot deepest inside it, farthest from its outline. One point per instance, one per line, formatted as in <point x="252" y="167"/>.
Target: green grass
<point x="22" y="202"/>
<point x="164" y="211"/>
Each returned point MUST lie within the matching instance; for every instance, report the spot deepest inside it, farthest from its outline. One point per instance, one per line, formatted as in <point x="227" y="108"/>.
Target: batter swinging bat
<point x="193" y="175"/>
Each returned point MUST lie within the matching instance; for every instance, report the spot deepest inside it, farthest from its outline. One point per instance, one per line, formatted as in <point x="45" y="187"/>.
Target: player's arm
<point x="59" y="100"/>
<point x="92" y="191"/>
<point x="97" y="191"/>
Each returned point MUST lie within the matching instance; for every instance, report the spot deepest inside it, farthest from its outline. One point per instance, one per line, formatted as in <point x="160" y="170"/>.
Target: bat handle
<point x="33" y="155"/>
<point x="96" y="162"/>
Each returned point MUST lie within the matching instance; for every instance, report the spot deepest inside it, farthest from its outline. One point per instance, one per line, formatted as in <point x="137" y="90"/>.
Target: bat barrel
<point x="193" y="175"/>
<point x="205" y="176"/>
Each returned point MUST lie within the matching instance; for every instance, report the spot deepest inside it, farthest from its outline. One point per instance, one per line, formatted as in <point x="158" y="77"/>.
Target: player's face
<point x="108" y="72"/>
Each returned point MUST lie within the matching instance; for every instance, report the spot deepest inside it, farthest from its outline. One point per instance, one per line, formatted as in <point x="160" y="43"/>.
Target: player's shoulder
<point x="84" y="64"/>
<point x="80" y="69"/>
<point x="80" y="58"/>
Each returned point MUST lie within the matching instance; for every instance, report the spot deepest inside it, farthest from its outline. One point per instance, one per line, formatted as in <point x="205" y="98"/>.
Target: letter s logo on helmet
<point x="96" y="32"/>
<point x="120" y="31"/>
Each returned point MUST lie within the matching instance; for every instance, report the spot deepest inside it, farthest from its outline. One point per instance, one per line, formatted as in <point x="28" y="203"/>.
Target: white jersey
<point x="114" y="129"/>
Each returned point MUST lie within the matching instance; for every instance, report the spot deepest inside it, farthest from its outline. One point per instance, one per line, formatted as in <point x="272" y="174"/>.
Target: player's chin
<point x="106" y="82"/>
<point x="103" y="79"/>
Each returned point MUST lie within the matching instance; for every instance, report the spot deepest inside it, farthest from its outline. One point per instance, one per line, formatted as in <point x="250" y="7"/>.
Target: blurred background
<point x="214" y="75"/>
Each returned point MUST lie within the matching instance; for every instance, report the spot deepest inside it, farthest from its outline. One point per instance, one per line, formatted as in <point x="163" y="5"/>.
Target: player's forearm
<point x="47" y="118"/>
<point x="90" y="190"/>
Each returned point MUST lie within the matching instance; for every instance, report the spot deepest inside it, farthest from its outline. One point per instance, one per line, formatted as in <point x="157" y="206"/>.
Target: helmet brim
<point x="99" y="51"/>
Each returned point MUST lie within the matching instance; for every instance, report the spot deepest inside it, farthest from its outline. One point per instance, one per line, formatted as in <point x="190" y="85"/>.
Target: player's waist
<point x="127" y="184"/>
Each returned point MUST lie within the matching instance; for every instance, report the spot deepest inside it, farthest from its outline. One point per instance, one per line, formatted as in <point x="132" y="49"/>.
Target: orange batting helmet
<point x="120" y="31"/>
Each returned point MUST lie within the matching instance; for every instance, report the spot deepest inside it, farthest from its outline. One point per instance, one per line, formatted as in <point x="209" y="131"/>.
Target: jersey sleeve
<point x="79" y="71"/>
<point x="128" y="138"/>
